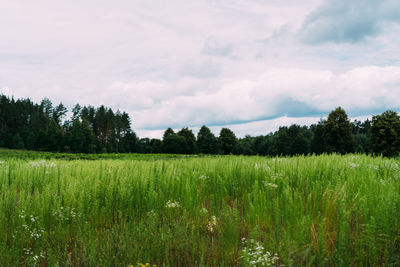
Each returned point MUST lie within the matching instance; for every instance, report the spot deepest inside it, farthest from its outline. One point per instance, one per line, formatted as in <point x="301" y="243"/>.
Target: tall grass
<point x="312" y="211"/>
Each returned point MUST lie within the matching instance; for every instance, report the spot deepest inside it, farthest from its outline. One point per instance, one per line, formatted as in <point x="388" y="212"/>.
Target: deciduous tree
<point x="385" y="134"/>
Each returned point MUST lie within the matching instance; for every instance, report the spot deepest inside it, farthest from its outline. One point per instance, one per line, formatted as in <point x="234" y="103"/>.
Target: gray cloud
<point x="343" y="21"/>
<point x="214" y="47"/>
<point x="206" y="69"/>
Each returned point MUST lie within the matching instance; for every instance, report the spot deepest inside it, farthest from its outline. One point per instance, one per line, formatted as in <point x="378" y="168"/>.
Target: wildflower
<point x="52" y="164"/>
<point x="27" y="251"/>
<point x="66" y="214"/>
<point x="151" y="213"/>
<point x="203" y="177"/>
<point x="212" y="224"/>
<point x="254" y="254"/>
<point x="22" y="214"/>
<point x="270" y="185"/>
<point x="170" y="204"/>
<point x="276" y="176"/>
<point x="33" y="219"/>
<point x="353" y="165"/>
<point x="42" y="163"/>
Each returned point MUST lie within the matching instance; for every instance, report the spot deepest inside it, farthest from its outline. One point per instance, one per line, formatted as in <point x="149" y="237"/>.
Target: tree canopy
<point x="385" y="134"/>
<point x="338" y="133"/>
<point x="24" y="124"/>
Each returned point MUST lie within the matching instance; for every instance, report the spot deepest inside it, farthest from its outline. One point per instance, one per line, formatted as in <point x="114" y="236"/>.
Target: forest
<point x="45" y="127"/>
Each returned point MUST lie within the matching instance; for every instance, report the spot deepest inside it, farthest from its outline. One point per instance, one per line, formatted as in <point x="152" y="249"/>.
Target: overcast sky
<point x="250" y="65"/>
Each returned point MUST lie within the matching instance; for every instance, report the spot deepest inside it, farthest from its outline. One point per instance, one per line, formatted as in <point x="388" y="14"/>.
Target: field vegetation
<point x="37" y="155"/>
<point x="201" y="211"/>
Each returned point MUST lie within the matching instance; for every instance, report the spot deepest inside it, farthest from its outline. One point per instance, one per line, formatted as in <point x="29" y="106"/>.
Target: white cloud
<point x="215" y="47"/>
<point x="274" y="93"/>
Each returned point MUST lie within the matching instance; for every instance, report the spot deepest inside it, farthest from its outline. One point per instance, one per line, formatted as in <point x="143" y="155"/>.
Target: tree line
<point x="336" y="134"/>
<point x="26" y="125"/>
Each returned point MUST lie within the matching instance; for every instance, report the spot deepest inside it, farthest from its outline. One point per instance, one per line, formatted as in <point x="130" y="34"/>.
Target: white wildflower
<point x="170" y="204"/>
<point x="270" y="185"/>
<point x="42" y="163"/>
<point x="151" y="213"/>
<point x="276" y="176"/>
<point x="353" y="165"/>
<point x="52" y="164"/>
<point x="66" y="214"/>
<point x="203" y="177"/>
<point x="27" y="251"/>
<point x="254" y="254"/>
<point x="33" y="218"/>
<point x="35" y="258"/>
<point x="22" y="214"/>
<point x="212" y="224"/>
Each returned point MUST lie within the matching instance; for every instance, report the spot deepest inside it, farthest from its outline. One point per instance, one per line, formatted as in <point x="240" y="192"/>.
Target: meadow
<point x="327" y="210"/>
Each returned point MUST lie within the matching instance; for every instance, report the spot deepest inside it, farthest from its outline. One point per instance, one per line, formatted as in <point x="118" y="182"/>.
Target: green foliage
<point x="213" y="211"/>
<point x="17" y="142"/>
<point x="167" y="133"/>
<point x="385" y="134"/>
<point x="227" y="140"/>
<point x="190" y="140"/>
<point x="175" y="144"/>
<point x="206" y="141"/>
<point x="156" y="145"/>
<point x="145" y="146"/>
<point x="7" y="154"/>
<point x="244" y="146"/>
<point x="338" y="133"/>
<point x="24" y="124"/>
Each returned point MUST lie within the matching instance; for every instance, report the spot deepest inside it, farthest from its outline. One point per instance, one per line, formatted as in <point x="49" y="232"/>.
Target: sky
<point x="249" y="65"/>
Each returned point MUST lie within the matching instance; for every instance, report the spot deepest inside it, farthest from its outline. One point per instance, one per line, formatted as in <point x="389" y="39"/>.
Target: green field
<point x="200" y="211"/>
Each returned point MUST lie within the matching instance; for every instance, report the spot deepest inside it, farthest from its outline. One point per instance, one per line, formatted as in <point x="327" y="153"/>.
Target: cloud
<point x="205" y="69"/>
<point x="171" y="64"/>
<point x="275" y="93"/>
<point x="343" y="21"/>
<point x="256" y="128"/>
<point x="215" y="47"/>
